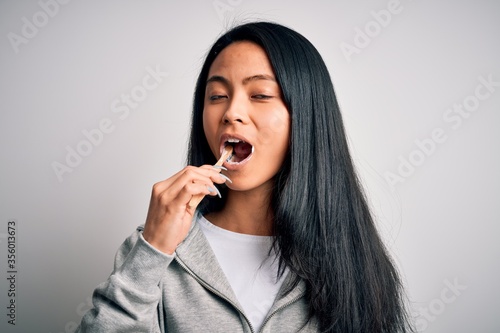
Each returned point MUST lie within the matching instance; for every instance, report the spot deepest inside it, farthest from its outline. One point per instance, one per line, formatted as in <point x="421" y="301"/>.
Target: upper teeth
<point x="233" y="140"/>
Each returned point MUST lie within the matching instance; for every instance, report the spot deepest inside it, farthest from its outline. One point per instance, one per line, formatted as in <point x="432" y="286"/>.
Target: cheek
<point x="208" y="127"/>
<point x="210" y="130"/>
<point x="275" y="129"/>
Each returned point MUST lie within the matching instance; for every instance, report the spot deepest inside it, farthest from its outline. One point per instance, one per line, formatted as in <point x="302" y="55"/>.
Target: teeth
<point x="233" y="140"/>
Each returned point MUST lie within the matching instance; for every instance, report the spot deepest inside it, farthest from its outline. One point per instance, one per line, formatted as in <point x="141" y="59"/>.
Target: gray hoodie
<point x="150" y="291"/>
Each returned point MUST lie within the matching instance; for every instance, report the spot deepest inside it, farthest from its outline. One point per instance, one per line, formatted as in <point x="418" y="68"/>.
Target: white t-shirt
<point x="250" y="270"/>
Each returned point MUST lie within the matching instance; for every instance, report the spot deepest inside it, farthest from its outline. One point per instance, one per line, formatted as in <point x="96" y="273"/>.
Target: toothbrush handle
<point x="196" y="199"/>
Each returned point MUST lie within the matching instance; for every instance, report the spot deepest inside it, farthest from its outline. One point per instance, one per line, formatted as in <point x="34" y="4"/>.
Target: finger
<point x="203" y="171"/>
<point x="175" y="204"/>
<point x="191" y="191"/>
<point x="202" y="175"/>
<point x="162" y="186"/>
<point x="219" y="177"/>
<point x="195" y="200"/>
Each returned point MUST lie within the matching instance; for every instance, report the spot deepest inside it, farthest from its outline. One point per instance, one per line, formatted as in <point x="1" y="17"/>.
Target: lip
<point x="226" y="136"/>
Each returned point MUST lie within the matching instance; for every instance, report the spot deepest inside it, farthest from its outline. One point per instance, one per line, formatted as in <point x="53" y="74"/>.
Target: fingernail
<point x="218" y="193"/>
<point x="225" y="177"/>
<point x="219" y="167"/>
<point x="214" y="189"/>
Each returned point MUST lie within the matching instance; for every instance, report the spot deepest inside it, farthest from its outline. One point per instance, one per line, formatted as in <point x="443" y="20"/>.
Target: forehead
<point x="241" y="58"/>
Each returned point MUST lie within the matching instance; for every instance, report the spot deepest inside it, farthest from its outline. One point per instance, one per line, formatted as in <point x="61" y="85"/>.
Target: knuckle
<point x="190" y="169"/>
<point x="190" y="172"/>
<point x="189" y="188"/>
<point x="195" y="188"/>
<point x="157" y="189"/>
<point x="164" y="200"/>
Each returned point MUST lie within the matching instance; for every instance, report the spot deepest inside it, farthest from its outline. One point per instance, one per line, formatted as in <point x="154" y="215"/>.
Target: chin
<point x="239" y="186"/>
<point x="247" y="186"/>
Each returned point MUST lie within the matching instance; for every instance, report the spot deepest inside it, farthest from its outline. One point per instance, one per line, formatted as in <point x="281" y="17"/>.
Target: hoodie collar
<point x="196" y="255"/>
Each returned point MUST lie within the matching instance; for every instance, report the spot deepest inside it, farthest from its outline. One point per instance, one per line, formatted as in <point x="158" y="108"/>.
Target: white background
<point x="440" y="220"/>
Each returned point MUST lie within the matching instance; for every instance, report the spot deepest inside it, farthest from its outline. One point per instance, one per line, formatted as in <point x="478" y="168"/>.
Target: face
<point x="244" y="108"/>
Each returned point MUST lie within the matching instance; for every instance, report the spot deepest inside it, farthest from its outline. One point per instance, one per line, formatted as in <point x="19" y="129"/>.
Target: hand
<point x="169" y="216"/>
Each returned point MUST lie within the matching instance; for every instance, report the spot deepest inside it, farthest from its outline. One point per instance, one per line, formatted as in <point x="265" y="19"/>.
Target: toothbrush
<point x="227" y="154"/>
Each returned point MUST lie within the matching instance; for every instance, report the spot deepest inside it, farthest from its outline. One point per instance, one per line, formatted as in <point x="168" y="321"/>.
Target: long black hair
<point x="323" y="228"/>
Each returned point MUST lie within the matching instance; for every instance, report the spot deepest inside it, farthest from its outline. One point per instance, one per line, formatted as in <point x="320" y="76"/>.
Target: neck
<point x="245" y="212"/>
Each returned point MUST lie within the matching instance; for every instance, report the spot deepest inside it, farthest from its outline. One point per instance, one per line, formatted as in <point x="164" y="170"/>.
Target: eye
<point x="216" y="97"/>
<point x="261" y="96"/>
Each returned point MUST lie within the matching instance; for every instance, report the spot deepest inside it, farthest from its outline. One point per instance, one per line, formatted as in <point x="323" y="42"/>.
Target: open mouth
<point x="242" y="150"/>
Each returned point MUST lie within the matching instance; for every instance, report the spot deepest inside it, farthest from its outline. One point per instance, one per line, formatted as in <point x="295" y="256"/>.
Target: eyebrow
<point x="221" y="79"/>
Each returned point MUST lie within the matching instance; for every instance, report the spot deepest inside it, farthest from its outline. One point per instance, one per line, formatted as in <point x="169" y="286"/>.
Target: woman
<point x="290" y="246"/>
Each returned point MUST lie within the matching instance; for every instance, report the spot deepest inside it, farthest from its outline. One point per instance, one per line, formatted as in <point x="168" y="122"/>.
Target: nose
<point x="236" y="112"/>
